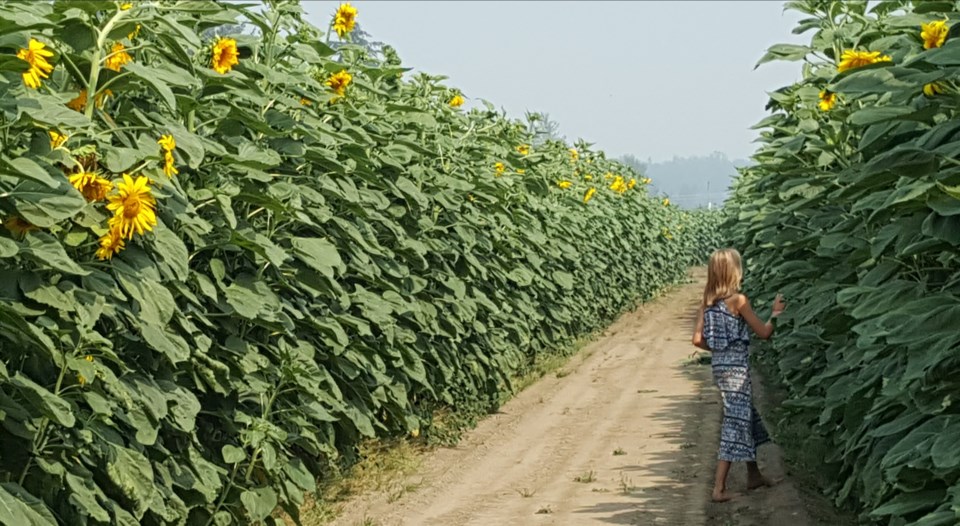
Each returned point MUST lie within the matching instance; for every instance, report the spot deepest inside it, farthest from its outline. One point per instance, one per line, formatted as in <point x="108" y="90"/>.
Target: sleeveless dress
<point x="728" y="337"/>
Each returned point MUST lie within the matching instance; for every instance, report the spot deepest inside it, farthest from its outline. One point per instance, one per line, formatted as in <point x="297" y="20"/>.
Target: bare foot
<point x="762" y="482"/>
<point x="724" y="496"/>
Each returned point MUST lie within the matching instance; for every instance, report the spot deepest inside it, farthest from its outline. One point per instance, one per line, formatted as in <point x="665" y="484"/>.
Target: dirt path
<point x="629" y="436"/>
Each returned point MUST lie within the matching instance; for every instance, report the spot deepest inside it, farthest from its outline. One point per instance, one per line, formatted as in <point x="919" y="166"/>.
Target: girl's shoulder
<point x="736" y="302"/>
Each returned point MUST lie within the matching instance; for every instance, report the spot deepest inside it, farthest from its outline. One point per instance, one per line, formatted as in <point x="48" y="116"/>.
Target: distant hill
<point x="690" y="182"/>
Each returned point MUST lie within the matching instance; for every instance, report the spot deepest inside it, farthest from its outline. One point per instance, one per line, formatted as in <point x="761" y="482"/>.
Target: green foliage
<point x="323" y="269"/>
<point x="852" y="213"/>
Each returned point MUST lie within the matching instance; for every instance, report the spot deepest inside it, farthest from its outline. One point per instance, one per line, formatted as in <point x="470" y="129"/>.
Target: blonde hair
<point x="724" y="273"/>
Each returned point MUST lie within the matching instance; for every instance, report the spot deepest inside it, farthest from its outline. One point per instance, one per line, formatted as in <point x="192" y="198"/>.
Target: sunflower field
<point x="235" y="245"/>
<point x="852" y="211"/>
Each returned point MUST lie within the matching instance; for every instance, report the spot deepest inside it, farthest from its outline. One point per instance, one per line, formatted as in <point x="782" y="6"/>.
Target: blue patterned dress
<point x="728" y="337"/>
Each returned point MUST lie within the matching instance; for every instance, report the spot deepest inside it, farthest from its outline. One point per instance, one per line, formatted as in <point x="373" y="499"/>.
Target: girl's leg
<point x="755" y="479"/>
<point x="720" y="493"/>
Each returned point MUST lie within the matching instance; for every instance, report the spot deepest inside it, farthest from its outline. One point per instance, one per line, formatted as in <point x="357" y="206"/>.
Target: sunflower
<point x="57" y="139"/>
<point x="852" y="59"/>
<point x="110" y="245"/>
<point x="564" y="184"/>
<point x="133" y="207"/>
<point x="118" y="57"/>
<point x="589" y="195"/>
<point x="345" y="19"/>
<point x="631" y="184"/>
<point x="225" y="55"/>
<point x="91" y="185"/>
<point x="18" y="226"/>
<point x="827" y="100"/>
<point x="646" y="180"/>
<point x="934" y="88"/>
<point x="934" y="34"/>
<point x="500" y="168"/>
<point x="521" y="171"/>
<point x="168" y="144"/>
<point x="79" y="103"/>
<point x="35" y="54"/>
<point x="666" y="202"/>
<point x="574" y="154"/>
<point x="338" y="82"/>
<point x="126" y="5"/>
<point x="524" y="149"/>
<point x="305" y="101"/>
<point x="456" y="101"/>
<point x="134" y="34"/>
<point x="619" y="185"/>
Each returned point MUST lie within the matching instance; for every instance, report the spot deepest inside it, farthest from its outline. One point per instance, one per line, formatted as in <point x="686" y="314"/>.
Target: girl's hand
<point x="778" y="305"/>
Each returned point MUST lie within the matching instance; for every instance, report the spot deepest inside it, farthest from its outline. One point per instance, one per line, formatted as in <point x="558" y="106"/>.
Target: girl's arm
<point x="763" y="330"/>
<point x="698" y="332"/>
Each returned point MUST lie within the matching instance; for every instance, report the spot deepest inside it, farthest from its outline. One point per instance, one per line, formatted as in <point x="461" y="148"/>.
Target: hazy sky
<point x="654" y="79"/>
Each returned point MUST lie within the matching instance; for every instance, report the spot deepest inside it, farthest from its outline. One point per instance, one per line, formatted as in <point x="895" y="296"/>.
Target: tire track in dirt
<point x="631" y="394"/>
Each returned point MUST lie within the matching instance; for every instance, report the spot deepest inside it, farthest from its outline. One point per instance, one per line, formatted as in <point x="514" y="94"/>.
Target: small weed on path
<point x="619" y="452"/>
<point x="526" y="493"/>
<point x="586" y="477"/>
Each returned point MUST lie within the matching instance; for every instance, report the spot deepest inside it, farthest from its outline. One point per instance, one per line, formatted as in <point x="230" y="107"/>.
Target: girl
<point x="722" y="323"/>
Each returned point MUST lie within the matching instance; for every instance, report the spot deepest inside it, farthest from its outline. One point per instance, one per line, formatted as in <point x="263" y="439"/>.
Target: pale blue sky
<point x="654" y="79"/>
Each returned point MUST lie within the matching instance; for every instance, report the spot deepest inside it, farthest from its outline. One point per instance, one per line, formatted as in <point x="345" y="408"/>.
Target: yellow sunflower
<point x="456" y="101"/>
<point x="133" y="207"/>
<point x="35" y="54"/>
<point x="338" y="82"/>
<point x="827" y="100"/>
<point x="79" y="103"/>
<point x="168" y="144"/>
<point x="646" y="180"/>
<point x="57" y="139"/>
<point x="666" y="202"/>
<point x="225" y="55"/>
<point x="523" y="149"/>
<point x="589" y="195"/>
<point x="574" y="154"/>
<point x="134" y="34"/>
<point x="118" y="57"/>
<point x="934" y="88"/>
<point x="305" y="101"/>
<point x="631" y="184"/>
<point x="852" y="59"/>
<point x="619" y="185"/>
<point x="934" y="34"/>
<point x="345" y="19"/>
<point x="91" y="185"/>
<point x="126" y="5"/>
<point x="18" y="227"/>
<point x="521" y="171"/>
<point x="110" y="245"/>
<point x="500" y="168"/>
<point x="564" y="184"/>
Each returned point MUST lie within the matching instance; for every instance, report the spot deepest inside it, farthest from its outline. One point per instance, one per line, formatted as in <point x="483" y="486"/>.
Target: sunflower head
<point x="345" y="19"/>
<point x="523" y="149"/>
<point x="827" y="100"/>
<point x="934" y="34"/>
<point x="564" y="184"/>
<point x="338" y="82"/>
<point x="18" y="226"/>
<point x="852" y="59"/>
<point x="589" y="195"/>
<point x="57" y="139"/>
<point x="110" y="244"/>
<point x="499" y="168"/>
<point x="456" y="101"/>
<point x="225" y="55"/>
<point x="167" y="142"/>
<point x="36" y="55"/>
<point x="133" y="207"/>
<point x="91" y="185"/>
<point x="666" y="202"/>
<point x="934" y="88"/>
<point x="631" y="184"/>
<point x="574" y="154"/>
<point x="118" y="57"/>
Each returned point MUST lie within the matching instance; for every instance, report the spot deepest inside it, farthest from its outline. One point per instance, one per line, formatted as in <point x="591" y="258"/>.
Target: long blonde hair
<point x="724" y="273"/>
